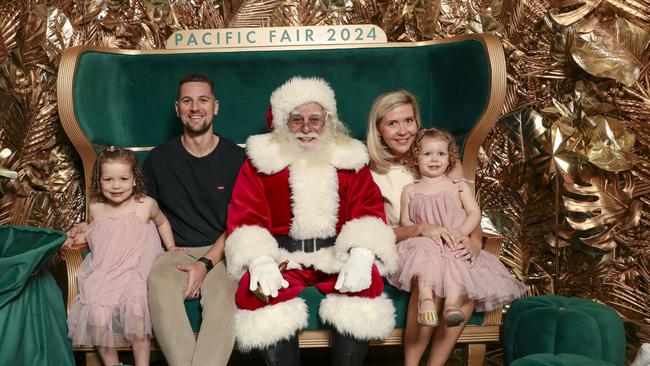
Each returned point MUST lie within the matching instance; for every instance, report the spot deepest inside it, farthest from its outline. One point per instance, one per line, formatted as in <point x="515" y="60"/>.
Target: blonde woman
<point x="393" y="123"/>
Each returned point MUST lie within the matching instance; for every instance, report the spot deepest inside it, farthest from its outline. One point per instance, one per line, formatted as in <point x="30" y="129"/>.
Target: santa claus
<point x="305" y="195"/>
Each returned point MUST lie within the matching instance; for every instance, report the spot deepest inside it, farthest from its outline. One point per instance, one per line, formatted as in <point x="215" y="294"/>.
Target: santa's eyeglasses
<point x="298" y="122"/>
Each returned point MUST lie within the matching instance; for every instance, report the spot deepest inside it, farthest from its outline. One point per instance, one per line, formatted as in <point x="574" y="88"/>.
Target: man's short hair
<point x="197" y="78"/>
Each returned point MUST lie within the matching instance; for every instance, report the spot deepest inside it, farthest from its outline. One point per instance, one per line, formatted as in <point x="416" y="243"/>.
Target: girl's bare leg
<point x="416" y="337"/>
<point x="108" y="355"/>
<point x="426" y="298"/>
<point x="141" y="350"/>
<point x="445" y="338"/>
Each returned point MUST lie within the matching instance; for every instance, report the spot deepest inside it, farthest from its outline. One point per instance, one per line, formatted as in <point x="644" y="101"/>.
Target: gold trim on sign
<point x="488" y="40"/>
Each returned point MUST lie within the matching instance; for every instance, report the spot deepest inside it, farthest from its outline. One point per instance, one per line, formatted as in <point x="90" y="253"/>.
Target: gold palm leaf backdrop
<point x="569" y="157"/>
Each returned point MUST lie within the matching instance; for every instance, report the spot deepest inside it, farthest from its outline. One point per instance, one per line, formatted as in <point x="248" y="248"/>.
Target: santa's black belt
<point x="304" y="245"/>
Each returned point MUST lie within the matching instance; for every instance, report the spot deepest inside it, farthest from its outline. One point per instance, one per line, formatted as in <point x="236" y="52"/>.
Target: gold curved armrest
<point x="73" y="258"/>
<point x="492" y="244"/>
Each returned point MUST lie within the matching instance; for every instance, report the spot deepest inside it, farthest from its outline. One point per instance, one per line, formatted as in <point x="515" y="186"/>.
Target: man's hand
<point x="266" y="274"/>
<point x="196" y="273"/>
<point x="356" y="272"/>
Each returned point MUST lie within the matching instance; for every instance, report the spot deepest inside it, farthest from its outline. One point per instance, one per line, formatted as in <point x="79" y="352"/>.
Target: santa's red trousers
<point x="299" y="279"/>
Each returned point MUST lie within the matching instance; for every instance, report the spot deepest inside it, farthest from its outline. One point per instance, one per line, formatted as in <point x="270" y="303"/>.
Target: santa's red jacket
<point x="328" y="192"/>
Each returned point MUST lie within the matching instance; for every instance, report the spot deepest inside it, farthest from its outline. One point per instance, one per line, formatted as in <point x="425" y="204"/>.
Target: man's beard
<point x="197" y="131"/>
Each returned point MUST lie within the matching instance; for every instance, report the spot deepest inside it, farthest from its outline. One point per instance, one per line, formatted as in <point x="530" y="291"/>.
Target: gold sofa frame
<point x="474" y="337"/>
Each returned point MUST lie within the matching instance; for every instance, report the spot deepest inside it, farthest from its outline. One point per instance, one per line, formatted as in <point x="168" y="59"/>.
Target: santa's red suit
<point x="327" y="193"/>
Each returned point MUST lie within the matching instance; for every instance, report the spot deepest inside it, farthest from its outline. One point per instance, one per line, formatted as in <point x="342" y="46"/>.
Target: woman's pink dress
<point x="486" y="280"/>
<point x="111" y="307"/>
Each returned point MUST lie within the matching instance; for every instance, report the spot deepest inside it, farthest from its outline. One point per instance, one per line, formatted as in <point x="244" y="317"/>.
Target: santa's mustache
<point x="301" y="135"/>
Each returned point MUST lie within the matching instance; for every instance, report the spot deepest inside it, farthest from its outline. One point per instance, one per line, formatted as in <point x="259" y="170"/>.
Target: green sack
<point x="33" y="327"/>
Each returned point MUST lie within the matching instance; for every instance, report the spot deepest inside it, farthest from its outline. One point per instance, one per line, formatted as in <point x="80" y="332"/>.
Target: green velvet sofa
<point x="126" y="98"/>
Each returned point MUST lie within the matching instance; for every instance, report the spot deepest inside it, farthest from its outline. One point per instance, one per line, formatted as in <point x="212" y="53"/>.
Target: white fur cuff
<point x="245" y="244"/>
<point x="258" y="329"/>
<point x="361" y="317"/>
<point x="371" y="233"/>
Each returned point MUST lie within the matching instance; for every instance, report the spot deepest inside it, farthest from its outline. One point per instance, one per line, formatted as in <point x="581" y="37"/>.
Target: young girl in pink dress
<point x="111" y="309"/>
<point x="442" y="277"/>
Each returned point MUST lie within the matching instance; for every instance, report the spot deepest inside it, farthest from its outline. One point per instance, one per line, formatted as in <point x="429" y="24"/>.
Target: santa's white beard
<point x="300" y="138"/>
<point x="314" y="147"/>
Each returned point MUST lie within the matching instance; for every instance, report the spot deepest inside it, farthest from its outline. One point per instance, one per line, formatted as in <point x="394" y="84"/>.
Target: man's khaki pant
<point x="171" y="327"/>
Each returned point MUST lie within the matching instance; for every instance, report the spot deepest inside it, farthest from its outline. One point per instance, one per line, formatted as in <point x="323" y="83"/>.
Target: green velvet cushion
<point x="557" y="324"/>
<point x="562" y="359"/>
<point x="128" y="100"/>
<point x="313" y="299"/>
<point x="400" y="300"/>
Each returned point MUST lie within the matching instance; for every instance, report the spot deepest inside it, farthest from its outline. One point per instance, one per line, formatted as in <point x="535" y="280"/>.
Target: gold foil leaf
<point x="560" y="148"/>
<point x="611" y="50"/>
<point x="567" y="18"/>
<point x="426" y="15"/>
<point x="492" y="25"/>
<point x="601" y="202"/>
<point x="59" y="32"/>
<point x="9" y="23"/>
<point x="607" y="143"/>
<point x="4" y="172"/>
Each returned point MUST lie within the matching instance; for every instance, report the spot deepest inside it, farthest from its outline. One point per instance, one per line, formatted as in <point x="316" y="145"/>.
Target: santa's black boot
<point x="347" y="350"/>
<point x="283" y="353"/>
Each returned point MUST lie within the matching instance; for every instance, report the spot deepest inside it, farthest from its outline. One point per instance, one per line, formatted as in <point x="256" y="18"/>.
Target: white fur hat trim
<point x="298" y="91"/>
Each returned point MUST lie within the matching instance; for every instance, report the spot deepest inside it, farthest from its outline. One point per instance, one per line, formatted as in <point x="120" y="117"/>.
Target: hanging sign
<point x="276" y="36"/>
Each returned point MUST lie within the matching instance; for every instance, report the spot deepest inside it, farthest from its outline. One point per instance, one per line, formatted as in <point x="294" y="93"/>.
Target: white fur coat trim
<point x="314" y="200"/>
<point x="643" y="356"/>
<point x="269" y="153"/>
<point x="361" y="317"/>
<point x="245" y="244"/>
<point x="258" y="329"/>
<point x="371" y="233"/>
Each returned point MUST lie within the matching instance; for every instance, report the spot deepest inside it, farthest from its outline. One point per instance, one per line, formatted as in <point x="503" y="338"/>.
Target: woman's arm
<point x="407" y="228"/>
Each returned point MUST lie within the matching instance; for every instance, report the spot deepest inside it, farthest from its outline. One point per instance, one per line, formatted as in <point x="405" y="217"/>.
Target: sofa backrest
<point x="126" y="98"/>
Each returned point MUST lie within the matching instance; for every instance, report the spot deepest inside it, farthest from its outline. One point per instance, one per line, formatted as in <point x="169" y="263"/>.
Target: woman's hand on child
<point x="456" y="237"/>
<point x="437" y="233"/>
<point x="465" y="249"/>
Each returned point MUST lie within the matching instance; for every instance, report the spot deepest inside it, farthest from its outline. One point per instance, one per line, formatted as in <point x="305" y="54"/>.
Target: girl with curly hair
<point x="111" y="309"/>
<point x="443" y="279"/>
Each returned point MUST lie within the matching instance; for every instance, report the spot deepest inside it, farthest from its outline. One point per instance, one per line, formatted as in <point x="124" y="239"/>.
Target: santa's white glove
<point x="265" y="272"/>
<point x="355" y="274"/>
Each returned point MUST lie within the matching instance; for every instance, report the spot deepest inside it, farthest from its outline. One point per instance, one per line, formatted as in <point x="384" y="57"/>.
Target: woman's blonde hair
<point x="381" y="159"/>
<point x="436" y="134"/>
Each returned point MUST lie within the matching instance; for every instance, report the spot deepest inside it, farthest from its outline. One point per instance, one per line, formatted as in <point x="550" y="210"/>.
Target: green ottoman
<point x="562" y="359"/>
<point x="562" y="325"/>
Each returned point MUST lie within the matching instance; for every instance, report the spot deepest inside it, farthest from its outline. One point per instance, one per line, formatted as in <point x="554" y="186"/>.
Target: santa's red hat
<point x="298" y="91"/>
